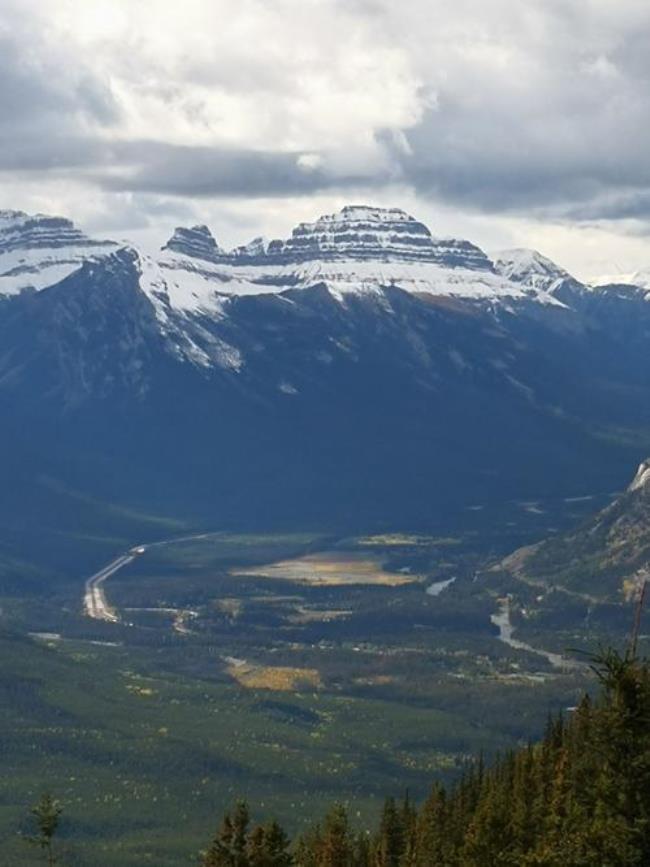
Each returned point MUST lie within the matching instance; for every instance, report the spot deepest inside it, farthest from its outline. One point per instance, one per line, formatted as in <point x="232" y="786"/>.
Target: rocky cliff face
<point x="359" y="249"/>
<point x="356" y="233"/>
<point x="361" y="233"/>
<point x="38" y="251"/>
<point x="197" y="242"/>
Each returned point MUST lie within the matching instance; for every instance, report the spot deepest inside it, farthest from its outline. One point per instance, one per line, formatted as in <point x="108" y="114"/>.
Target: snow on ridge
<point x="35" y="270"/>
<point x="640" y="279"/>
<point x="195" y="285"/>
<point x="175" y="284"/>
<point x="526" y="266"/>
<point x="364" y="213"/>
<point x="37" y="251"/>
<point x="173" y="301"/>
<point x="642" y="477"/>
<point x="360" y="249"/>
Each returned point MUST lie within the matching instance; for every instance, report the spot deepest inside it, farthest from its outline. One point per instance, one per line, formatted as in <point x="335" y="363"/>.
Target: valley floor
<point x="290" y="669"/>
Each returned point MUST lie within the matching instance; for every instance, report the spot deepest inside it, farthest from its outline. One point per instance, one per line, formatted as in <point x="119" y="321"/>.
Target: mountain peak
<point x="369" y="213"/>
<point x="364" y="233"/>
<point x="642" y="477"/>
<point x="197" y="242"/>
<point x="524" y="265"/>
<point x="256" y="248"/>
<point x="37" y="250"/>
<point x="20" y="231"/>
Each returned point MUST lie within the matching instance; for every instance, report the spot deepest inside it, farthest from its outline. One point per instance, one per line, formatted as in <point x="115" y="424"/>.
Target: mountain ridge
<point x="352" y="250"/>
<point x="383" y="393"/>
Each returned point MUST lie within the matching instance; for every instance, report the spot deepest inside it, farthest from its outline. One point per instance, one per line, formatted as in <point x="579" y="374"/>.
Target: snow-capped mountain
<point x="638" y="279"/>
<point x="529" y="268"/>
<point x="361" y="367"/>
<point x="198" y="243"/>
<point x="359" y="249"/>
<point x="37" y="251"/>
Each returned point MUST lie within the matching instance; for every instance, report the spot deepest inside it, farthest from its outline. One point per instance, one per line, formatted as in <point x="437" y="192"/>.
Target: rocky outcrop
<point x="197" y="242"/>
<point x="356" y="233"/>
<point x="362" y="233"/>
<point x="20" y="231"/>
<point x="37" y="251"/>
<point x="642" y="477"/>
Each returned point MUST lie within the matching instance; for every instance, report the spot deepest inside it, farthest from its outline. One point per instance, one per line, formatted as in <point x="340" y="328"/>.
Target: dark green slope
<point x="607" y="557"/>
<point x="388" y="410"/>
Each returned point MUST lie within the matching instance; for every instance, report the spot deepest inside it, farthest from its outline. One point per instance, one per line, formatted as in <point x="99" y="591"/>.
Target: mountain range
<point x="361" y="372"/>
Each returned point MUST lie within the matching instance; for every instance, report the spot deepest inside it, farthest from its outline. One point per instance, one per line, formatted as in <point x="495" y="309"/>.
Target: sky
<point x="508" y="122"/>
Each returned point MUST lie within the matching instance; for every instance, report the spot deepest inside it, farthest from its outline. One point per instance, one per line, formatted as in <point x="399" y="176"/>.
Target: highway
<point x="95" y="602"/>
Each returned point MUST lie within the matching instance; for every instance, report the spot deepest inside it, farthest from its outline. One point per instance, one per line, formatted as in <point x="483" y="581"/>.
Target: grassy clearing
<point x="330" y="568"/>
<point x="278" y="678"/>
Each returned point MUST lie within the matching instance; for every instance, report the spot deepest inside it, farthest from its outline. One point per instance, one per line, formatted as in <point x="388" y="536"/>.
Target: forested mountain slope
<point x="607" y="557"/>
<point x="579" y="797"/>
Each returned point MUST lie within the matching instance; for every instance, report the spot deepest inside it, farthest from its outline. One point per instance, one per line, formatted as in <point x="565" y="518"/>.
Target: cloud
<point x="205" y="172"/>
<point x="535" y="110"/>
<point x="42" y="90"/>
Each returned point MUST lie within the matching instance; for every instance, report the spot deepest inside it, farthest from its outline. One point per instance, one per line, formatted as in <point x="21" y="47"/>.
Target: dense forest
<point x="578" y="798"/>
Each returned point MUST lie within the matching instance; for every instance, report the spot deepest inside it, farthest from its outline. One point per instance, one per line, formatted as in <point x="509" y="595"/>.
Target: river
<point x="506" y="632"/>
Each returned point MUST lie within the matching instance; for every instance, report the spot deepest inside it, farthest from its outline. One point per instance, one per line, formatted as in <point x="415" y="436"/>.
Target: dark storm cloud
<point x="206" y="172"/>
<point x="633" y="205"/>
<point x="50" y="152"/>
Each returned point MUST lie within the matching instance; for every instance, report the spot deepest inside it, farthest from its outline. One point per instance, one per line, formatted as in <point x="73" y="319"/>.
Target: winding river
<point x="506" y="631"/>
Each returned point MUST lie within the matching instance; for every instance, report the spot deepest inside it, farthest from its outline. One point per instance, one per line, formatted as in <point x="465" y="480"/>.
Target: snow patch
<point x="642" y="477"/>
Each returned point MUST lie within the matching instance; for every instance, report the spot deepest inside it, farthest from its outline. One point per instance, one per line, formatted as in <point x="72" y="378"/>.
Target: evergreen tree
<point x="390" y="840"/>
<point x="336" y="849"/>
<point x="268" y="846"/>
<point x="408" y="818"/>
<point x="229" y="847"/>
<point x="47" y="813"/>
<point x="308" y="848"/>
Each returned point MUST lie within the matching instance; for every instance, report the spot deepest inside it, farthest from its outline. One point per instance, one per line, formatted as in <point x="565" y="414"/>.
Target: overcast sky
<point x="511" y="122"/>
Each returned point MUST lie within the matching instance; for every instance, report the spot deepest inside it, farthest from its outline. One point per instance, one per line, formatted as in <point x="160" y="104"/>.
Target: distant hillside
<point x="607" y="557"/>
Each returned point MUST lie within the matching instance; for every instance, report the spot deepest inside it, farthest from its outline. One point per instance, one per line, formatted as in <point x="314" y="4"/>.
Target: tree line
<point x="578" y="798"/>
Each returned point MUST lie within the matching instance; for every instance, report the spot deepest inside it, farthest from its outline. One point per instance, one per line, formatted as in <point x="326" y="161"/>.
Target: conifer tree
<point x="336" y="848"/>
<point x="390" y="840"/>
<point x="430" y="838"/>
<point x="47" y="814"/>
<point x="230" y="844"/>
<point x="268" y="846"/>
<point x="308" y="848"/>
